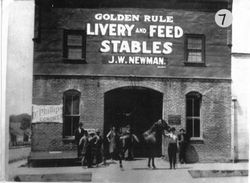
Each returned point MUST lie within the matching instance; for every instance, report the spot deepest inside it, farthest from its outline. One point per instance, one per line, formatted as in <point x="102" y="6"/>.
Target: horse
<point x="151" y="137"/>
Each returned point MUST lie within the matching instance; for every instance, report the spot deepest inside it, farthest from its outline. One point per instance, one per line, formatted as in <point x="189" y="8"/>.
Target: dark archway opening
<point x="138" y="107"/>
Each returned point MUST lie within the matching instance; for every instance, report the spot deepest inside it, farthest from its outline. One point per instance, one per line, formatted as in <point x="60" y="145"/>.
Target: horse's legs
<point x="174" y="159"/>
<point x="174" y="155"/>
<point x="149" y="159"/>
<point x="120" y="160"/>
<point x="170" y="156"/>
<point x="153" y="162"/>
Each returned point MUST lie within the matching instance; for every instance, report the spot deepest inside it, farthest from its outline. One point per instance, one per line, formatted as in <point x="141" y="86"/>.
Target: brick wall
<point x="215" y="109"/>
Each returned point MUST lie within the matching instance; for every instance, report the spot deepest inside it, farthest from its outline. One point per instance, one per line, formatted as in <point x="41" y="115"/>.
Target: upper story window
<point x="74" y="46"/>
<point x="71" y="112"/>
<point x="194" y="49"/>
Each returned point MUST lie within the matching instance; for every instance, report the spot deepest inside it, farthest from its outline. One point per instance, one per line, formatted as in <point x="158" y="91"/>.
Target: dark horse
<point x="152" y="137"/>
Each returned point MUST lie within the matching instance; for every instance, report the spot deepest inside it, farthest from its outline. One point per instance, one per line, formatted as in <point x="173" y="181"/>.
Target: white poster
<point x="47" y="113"/>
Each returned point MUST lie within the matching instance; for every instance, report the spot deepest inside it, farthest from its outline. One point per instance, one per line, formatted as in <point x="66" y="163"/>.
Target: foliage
<point x="24" y="119"/>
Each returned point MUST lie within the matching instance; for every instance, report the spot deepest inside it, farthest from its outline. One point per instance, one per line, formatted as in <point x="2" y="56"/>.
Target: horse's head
<point x="165" y="125"/>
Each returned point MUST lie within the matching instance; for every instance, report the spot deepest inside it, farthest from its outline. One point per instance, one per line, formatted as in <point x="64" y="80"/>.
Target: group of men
<point x="89" y="146"/>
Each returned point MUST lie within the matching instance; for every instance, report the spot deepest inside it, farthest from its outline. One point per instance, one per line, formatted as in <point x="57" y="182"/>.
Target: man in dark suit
<point x="78" y="135"/>
<point x="183" y="140"/>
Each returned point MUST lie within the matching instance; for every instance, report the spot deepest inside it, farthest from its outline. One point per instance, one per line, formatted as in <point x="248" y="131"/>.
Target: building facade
<point x="118" y="64"/>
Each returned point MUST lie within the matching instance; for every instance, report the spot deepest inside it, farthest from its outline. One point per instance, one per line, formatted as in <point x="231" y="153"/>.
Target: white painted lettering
<point x="106" y="17"/>
<point x="152" y="30"/>
<point x="135" y="46"/>
<point x="115" y="45"/>
<point x="103" y="28"/>
<point x="137" y="60"/>
<point x="98" y="16"/>
<point x="156" y="47"/>
<point x="112" y="60"/>
<point x="129" y="29"/>
<point x="147" y="18"/>
<point x="149" y="60"/>
<point x="161" y="61"/>
<point x="170" y="19"/>
<point x="105" y="46"/>
<point x="120" y="17"/>
<point x="121" y="59"/>
<point x="89" y="32"/>
<point x="167" y="48"/>
<point x="121" y="30"/>
<point x="124" y="47"/>
<point x="155" y="61"/>
<point x="131" y="60"/>
<point x="161" y="31"/>
<point x="112" y="29"/>
<point x="127" y="18"/>
<point x="169" y="31"/>
<point x="144" y="48"/>
<point x="178" y="32"/>
<point x="135" y="18"/>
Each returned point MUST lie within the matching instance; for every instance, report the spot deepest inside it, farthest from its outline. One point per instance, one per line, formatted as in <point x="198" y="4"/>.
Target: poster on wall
<point x="47" y="113"/>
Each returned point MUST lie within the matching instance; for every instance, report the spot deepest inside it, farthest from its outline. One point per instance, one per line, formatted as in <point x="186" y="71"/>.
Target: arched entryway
<point x="139" y="107"/>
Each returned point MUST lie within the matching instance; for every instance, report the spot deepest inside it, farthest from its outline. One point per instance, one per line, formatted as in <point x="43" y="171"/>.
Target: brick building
<point x="118" y="63"/>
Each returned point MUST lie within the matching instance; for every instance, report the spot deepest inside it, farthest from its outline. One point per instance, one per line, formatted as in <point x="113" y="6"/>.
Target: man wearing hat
<point x="78" y="135"/>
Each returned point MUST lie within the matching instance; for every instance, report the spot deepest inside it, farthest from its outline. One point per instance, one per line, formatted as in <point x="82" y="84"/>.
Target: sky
<point x="20" y="50"/>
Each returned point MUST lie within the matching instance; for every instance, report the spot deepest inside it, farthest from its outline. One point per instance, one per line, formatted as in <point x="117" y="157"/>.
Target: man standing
<point x="91" y="149"/>
<point x="78" y="135"/>
<point x="182" y="145"/>
<point x="130" y="140"/>
<point x="98" y="147"/>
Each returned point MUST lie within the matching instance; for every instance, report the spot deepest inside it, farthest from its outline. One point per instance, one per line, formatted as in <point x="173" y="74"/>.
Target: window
<point x="194" y="50"/>
<point x="193" y="122"/>
<point x="71" y="112"/>
<point x="74" y="45"/>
